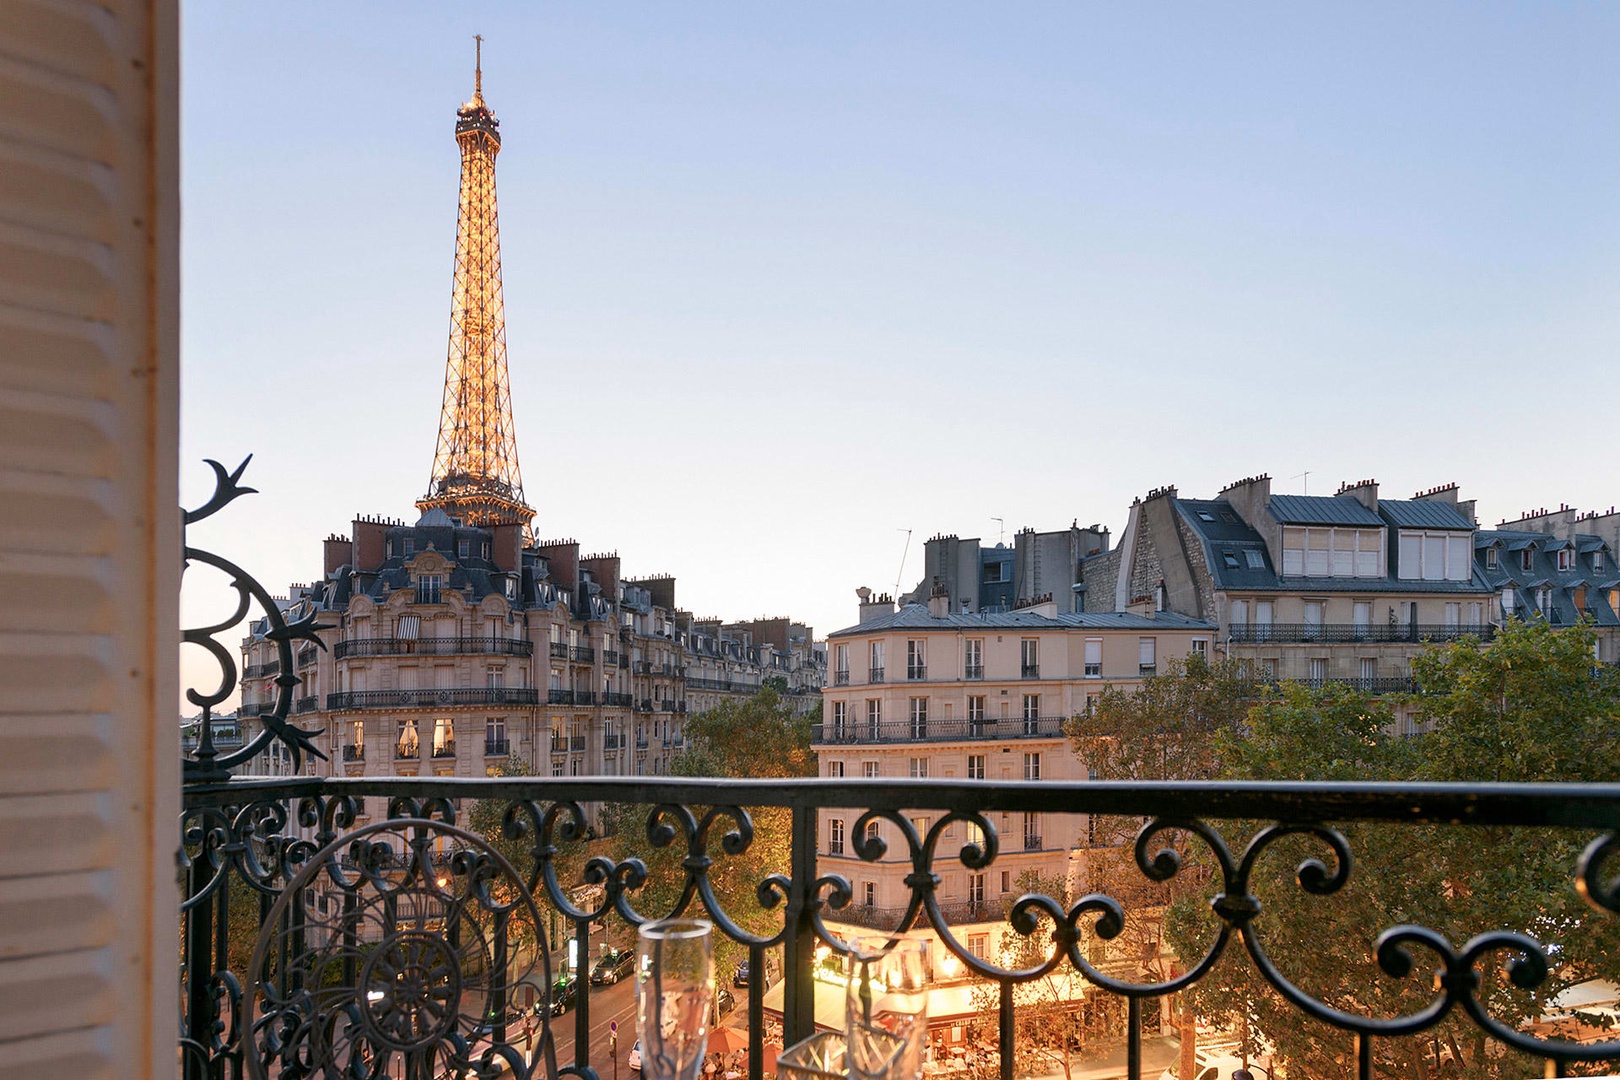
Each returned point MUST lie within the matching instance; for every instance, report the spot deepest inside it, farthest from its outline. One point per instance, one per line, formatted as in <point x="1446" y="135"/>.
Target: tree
<point x="1527" y="706"/>
<point x="752" y="738"/>
<point x="1054" y="1021"/>
<point x="1174" y="727"/>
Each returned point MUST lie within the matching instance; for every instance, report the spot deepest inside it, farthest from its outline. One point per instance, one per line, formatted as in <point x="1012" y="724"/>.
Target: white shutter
<point x="89" y="580"/>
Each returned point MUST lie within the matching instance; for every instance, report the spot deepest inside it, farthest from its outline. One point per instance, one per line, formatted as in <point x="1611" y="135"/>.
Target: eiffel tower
<point x="475" y="467"/>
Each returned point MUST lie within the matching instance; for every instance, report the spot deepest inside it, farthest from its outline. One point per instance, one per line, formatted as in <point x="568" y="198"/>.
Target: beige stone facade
<point x="914" y="694"/>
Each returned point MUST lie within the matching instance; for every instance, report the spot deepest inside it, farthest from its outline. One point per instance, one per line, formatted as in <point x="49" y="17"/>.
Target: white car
<point x="1216" y="1067"/>
<point x="634" y="1060"/>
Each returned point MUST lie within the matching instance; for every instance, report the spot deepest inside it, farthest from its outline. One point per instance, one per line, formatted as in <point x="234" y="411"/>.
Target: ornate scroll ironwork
<point x="206" y="763"/>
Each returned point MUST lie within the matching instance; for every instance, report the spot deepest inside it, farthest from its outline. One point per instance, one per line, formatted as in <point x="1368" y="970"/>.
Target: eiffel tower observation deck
<point x="475" y="468"/>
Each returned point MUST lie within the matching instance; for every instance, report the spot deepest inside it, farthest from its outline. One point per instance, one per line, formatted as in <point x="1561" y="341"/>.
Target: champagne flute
<point x="886" y="1007"/>
<point x="674" y="989"/>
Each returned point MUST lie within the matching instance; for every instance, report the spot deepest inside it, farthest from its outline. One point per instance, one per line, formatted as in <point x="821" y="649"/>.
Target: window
<point x="1145" y="653"/>
<point x="835" y="836"/>
<point x="1032" y="766"/>
<point x="835" y="769"/>
<point x="1006" y="881"/>
<point x="976" y="889"/>
<point x="408" y="628"/>
<point x="1564" y="558"/>
<point x="1240" y="613"/>
<point x="974" y="835"/>
<point x="1200" y="648"/>
<point x="979" y="945"/>
<point x="874" y="717"/>
<point x="1091" y="703"/>
<point x="973" y="659"/>
<point x="975" y="713"/>
<point x="919" y="718"/>
<point x="495" y="729"/>
<point x="495" y="676"/>
<point x="1032" y="713"/>
<point x="1527" y="559"/>
<point x="1317" y="665"/>
<point x="840" y="716"/>
<point x="409" y="741"/>
<point x="1509" y="602"/>
<point x="872" y="830"/>
<point x="975" y="767"/>
<point x="869" y="770"/>
<point x="1490" y="558"/>
<point x="1255" y="558"/>
<point x="1361" y="617"/>
<point x="1330" y="552"/>
<point x="918" y="768"/>
<point x="409" y="547"/>
<point x="1369" y="668"/>
<point x="868" y="894"/>
<point x="444" y="737"/>
<point x="1229" y="560"/>
<point x="1453" y="616"/>
<point x="1030" y="649"/>
<point x="1435" y="556"/>
<point x="427" y="589"/>
<point x="1268" y="667"/>
<point x="916" y="659"/>
<point x="1476" y="614"/>
<point x="876" y="674"/>
<point x="921" y="825"/>
<point x="1597" y="560"/>
<point x="1032" y="832"/>
<point x="841" y="665"/>
<point x="463" y="549"/>
<point x="1094" y="658"/>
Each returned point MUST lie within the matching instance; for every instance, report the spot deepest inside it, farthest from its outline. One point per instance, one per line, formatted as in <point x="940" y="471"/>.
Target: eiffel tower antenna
<point x="475" y="467"/>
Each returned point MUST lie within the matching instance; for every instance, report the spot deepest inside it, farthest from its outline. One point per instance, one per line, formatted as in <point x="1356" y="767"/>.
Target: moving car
<point x="612" y="967"/>
<point x="563" y="996"/>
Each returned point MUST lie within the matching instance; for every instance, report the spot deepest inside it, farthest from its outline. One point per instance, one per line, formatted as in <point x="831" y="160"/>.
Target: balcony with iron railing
<point x="260" y="671"/>
<point x="874" y="675"/>
<point x="1029" y="671"/>
<point x="433" y="646"/>
<point x="570" y="697"/>
<point x="307" y="703"/>
<point x="617" y="699"/>
<point x="347" y="700"/>
<point x="973" y="672"/>
<point x="409" y="750"/>
<point x="841" y="678"/>
<point x="916" y="672"/>
<point x="1351" y="633"/>
<point x="582" y="654"/>
<point x="559" y="651"/>
<point x="937" y="730"/>
<point x="354" y="751"/>
<point x="1248" y="839"/>
<point x="497" y="747"/>
<point x="444" y="748"/>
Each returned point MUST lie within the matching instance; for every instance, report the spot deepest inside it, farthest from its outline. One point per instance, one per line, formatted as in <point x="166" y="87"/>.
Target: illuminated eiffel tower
<point x="475" y="468"/>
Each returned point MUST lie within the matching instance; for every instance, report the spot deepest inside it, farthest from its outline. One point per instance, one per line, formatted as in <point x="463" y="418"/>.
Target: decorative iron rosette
<point x="401" y="948"/>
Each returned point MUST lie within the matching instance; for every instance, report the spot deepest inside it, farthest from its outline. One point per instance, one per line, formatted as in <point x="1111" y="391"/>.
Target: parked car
<point x="634" y="1060"/>
<point x="612" y="967"/>
<point x="1213" y="1067"/>
<point x="564" y="993"/>
<point x="741" y="977"/>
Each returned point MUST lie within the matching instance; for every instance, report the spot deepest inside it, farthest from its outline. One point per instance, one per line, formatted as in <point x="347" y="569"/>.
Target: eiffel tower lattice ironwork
<point x="475" y="467"/>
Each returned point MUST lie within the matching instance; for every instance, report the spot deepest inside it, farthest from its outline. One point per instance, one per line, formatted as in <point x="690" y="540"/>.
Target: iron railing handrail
<point x="955" y="729"/>
<point x="432" y="646"/>
<point x="1255" y="634"/>
<point x="343" y="700"/>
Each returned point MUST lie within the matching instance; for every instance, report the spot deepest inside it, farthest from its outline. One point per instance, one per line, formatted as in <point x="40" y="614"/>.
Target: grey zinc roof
<point x="1424" y="514"/>
<point x="916" y="617"/>
<point x="1321" y="510"/>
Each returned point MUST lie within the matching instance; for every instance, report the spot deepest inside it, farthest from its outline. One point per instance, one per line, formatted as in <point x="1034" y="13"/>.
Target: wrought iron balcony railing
<point x="360" y="910"/>
<point x="408" y="751"/>
<point x="583" y="654"/>
<point x="973" y="672"/>
<point x="875" y="675"/>
<point x="433" y="646"/>
<point x="445" y="749"/>
<point x="885" y="731"/>
<point x="916" y="672"/>
<point x="354" y="751"/>
<point x="344" y="700"/>
<point x="1340" y="633"/>
<point x="307" y="703"/>
<point x="841" y="678"/>
<point x="617" y="699"/>
<point x="1029" y="671"/>
<point x="497" y="747"/>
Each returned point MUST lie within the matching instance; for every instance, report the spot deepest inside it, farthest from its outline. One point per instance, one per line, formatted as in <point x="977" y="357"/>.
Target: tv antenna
<point x="1306" y="475"/>
<point x="904" y="552"/>
<point x="1001" y="530"/>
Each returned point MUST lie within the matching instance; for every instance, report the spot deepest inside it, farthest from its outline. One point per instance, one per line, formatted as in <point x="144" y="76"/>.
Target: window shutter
<point x="89" y="718"/>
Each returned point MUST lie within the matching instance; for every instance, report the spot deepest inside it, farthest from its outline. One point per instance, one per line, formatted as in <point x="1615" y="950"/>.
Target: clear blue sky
<point x="782" y="282"/>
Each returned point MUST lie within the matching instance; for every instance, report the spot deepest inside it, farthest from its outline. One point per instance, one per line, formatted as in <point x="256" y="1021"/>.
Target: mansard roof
<point x="1322" y="510"/>
<point x="917" y="617"/>
<point x="1424" y="514"/>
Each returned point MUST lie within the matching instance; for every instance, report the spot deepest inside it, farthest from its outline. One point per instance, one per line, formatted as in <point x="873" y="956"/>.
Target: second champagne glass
<point x="886" y="1007"/>
<point x="674" y="988"/>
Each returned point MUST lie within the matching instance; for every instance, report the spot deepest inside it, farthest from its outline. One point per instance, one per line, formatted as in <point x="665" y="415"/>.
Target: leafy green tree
<point x="752" y="738"/>
<point x="1527" y="706"/>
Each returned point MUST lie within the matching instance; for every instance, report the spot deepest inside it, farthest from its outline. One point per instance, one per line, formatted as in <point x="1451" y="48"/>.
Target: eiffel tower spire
<point x="475" y="468"/>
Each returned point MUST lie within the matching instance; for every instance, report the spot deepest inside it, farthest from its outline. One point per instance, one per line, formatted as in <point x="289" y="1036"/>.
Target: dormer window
<point x="428" y="588"/>
<point x="1490" y="558"/>
<point x="463" y="549"/>
<point x="1597" y="560"/>
<point x="1229" y="559"/>
<point x="1527" y="559"/>
<point x="1331" y="552"/>
<point x="410" y="547"/>
<point x="1565" y="558"/>
<point x="1435" y="556"/>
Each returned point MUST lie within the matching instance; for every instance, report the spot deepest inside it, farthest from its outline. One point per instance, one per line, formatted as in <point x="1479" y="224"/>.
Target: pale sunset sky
<point x="783" y="282"/>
